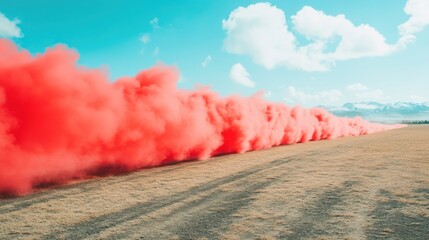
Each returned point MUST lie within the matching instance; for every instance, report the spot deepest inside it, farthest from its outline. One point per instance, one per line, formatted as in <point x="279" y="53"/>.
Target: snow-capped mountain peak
<point x="380" y="111"/>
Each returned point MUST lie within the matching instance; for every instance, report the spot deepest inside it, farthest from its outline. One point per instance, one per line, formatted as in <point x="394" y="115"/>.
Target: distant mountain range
<point x="391" y="112"/>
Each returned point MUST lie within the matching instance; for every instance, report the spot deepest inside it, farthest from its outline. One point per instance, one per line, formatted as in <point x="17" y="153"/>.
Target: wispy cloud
<point x="155" y="23"/>
<point x="9" y="28"/>
<point x="240" y="75"/>
<point x="361" y="92"/>
<point x="206" y="61"/>
<point x="416" y="98"/>
<point x="156" y="51"/>
<point x="295" y="96"/>
<point x="145" y="38"/>
<point x="372" y="95"/>
<point x="357" y="87"/>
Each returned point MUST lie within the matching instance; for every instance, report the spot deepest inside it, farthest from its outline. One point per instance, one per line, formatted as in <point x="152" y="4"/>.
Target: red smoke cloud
<point x="59" y="120"/>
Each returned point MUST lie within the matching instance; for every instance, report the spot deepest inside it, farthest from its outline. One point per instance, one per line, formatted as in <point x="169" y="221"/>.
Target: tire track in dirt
<point x="209" y="224"/>
<point x="43" y="196"/>
<point x="97" y="225"/>
<point x="210" y="214"/>
<point x="393" y="222"/>
<point x="205" y="217"/>
<point x="314" y="219"/>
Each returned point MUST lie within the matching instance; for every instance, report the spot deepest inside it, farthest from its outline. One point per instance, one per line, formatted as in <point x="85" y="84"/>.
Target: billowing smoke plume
<point x="60" y="121"/>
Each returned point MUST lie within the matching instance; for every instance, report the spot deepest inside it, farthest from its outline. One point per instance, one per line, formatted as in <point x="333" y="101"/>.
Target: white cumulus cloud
<point x="9" y="28"/>
<point x="240" y="75"/>
<point x="261" y="32"/>
<point x="355" y="41"/>
<point x="419" y="17"/>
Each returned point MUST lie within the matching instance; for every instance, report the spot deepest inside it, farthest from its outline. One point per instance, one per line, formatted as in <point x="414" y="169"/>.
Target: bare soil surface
<point x="368" y="187"/>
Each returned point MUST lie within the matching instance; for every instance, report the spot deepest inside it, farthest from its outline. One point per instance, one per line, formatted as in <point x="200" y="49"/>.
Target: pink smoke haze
<point x="60" y="121"/>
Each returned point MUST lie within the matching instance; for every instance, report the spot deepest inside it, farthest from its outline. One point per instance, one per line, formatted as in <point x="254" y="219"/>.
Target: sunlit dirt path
<point x="372" y="187"/>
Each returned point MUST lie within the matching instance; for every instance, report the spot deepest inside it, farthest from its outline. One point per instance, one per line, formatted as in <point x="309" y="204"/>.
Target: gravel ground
<point x="367" y="187"/>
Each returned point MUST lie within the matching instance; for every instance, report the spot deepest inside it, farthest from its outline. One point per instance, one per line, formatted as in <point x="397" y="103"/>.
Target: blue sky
<point x="329" y="53"/>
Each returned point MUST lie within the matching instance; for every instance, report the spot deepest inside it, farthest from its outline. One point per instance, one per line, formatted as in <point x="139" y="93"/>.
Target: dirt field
<point x="372" y="187"/>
